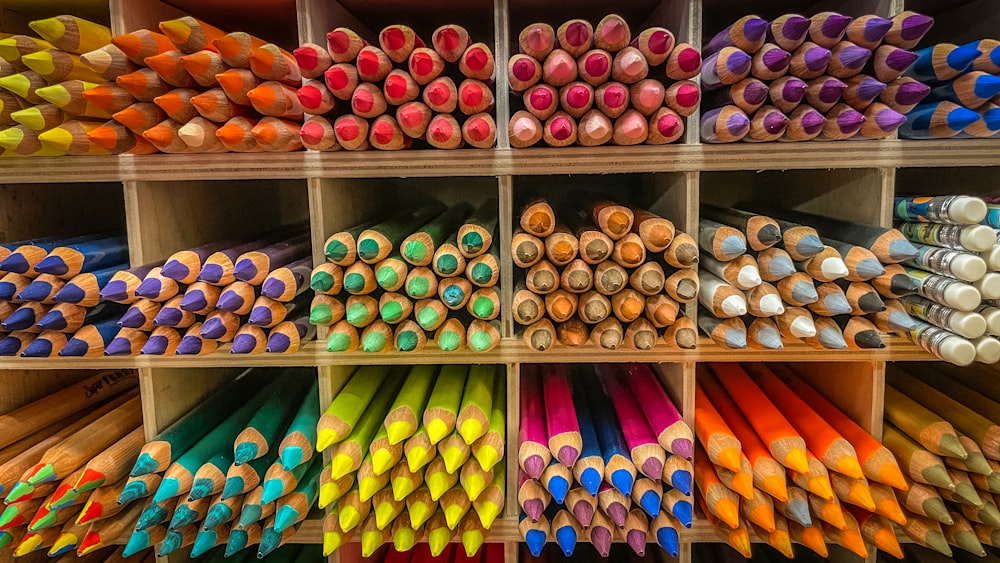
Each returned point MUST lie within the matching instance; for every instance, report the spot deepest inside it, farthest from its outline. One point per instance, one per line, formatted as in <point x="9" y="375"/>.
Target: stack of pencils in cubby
<point x="830" y="77"/>
<point x="963" y="84"/>
<point x="592" y="85"/>
<point x="941" y="423"/>
<point x="769" y="280"/>
<point x="433" y="270"/>
<point x="238" y="470"/>
<point x="777" y="457"/>
<point x="397" y="90"/>
<point x="192" y="89"/>
<point x="416" y="453"/>
<point x="40" y="83"/>
<point x="619" y="473"/>
<point x="591" y="265"/>
<point x="956" y="274"/>
<point x="251" y="293"/>
<point x="61" y="455"/>
<point x="50" y="295"/>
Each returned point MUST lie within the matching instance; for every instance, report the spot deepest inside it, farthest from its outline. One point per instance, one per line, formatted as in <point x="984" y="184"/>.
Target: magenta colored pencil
<point x="768" y="124"/>
<point x="559" y="68"/>
<point x="809" y="61"/>
<point x="523" y="72"/>
<point x="903" y="94"/>
<point x="842" y="122"/>
<point x="862" y="90"/>
<point x="827" y="28"/>
<point x="655" y="44"/>
<point x="594" y="66"/>
<point x="847" y="59"/>
<point x="787" y="93"/>
<point x="533" y="452"/>
<point x="804" y="124"/>
<point x="541" y="100"/>
<point x="612" y="98"/>
<point x="728" y="66"/>
<point x="824" y="93"/>
<point x="868" y="31"/>
<point x="647" y="454"/>
<point x="770" y="62"/>
<point x="789" y="31"/>
<point x="724" y="125"/>
<point x="908" y="28"/>
<point x="891" y="62"/>
<point x="747" y="34"/>
<point x="533" y="507"/>
<point x="561" y="423"/>
<point x="661" y="414"/>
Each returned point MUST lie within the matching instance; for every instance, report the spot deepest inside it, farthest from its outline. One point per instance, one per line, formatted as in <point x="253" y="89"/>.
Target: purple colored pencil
<point x="768" y="124"/>
<point x="842" y="122"/>
<point x="868" y="31"/>
<point x="824" y="93"/>
<point x="770" y="62"/>
<point x="724" y="125"/>
<point x="809" y="61"/>
<point x="121" y="288"/>
<point x="747" y="34"/>
<point x="827" y="28"/>
<point x="881" y="121"/>
<point x="862" y="90"/>
<point x="908" y="28"/>
<point x="249" y="340"/>
<point x="254" y="266"/>
<point x="847" y="59"/>
<point x="173" y="315"/>
<point x="288" y="281"/>
<point x="185" y="265"/>
<point x="200" y="298"/>
<point x="728" y="66"/>
<point x="891" y="62"/>
<point x="747" y="94"/>
<point x="162" y="341"/>
<point x="804" y="124"/>
<point x="789" y="31"/>
<point x="288" y="336"/>
<point x="903" y="94"/>
<point x="787" y="93"/>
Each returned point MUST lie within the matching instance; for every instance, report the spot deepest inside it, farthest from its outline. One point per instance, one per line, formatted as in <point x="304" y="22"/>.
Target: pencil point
<point x="74" y="348"/>
<point x="139" y="541"/>
<point x="204" y="541"/>
<point x="245" y="452"/>
<point x="40" y="348"/>
<point x="234" y="486"/>
<point x="796" y="460"/>
<point x="273" y="490"/>
<point x="169" y="488"/>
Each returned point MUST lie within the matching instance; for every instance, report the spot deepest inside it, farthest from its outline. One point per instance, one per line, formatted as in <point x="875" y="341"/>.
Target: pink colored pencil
<point x="576" y="98"/>
<point x="594" y="67"/>
<point x="665" y="126"/>
<point x="475" y="96"/>
<point x="313" y="60"/>
<point x="480" y="130"/>
<point x="386" y="135"/>
<point x="561" y="423"/>
<point x="450" y="41"/>
<point x="344" y="45"/>
<point x="523" y="72"/>
<point x="341" y="79"/>
<point x="661" y="414"/>
<point x="537" y="40"/>
<point x="398" y="41"/>
<point x="594" y="129"/>
<point x="441" y="95"/>
<point x="318" y="135"/>
<point x="315" y="97"/>
<point x="630" y="129"/>
<point x="541" y="100"/>
<point x="655" y="43"/>
<point x="368" y="101"/>
<point x="373" y="64"/>
<point x="425" y="65"/>
<point x="647" y="96"/>
<point x="683" y="97"/>
<point x="559" y="68"/>
<point x="612" y="33"/>
<point x="525" y="130"/>
<point x="400" y="88"/>
<point x="352" y="132"/>
<point x="533" y="453"/>
<point x="684" y="62"/>
<point x="444" y="132"/>
<point x="612" y="98"/>
<point x="575" y="36"/>
<point x="647" y="454"/>
<point x="629" y="66"/>
<point x="413" y="118"/>
<point x="559" y="130"/>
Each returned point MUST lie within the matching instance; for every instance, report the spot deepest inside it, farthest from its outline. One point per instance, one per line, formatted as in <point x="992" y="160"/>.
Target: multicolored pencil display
<point x="963" y="82"/>
<point x="601" y="272"/>
<point x="50" y="295"/>
<point x="623" y="472"/>
<point x="589" y="85"/>
<point x="775" y="456"/>
<point x="400" y="90"/>
<point x="416" y="453"/>
<point x="830" y="77"/>
<point x="429" y="275"/>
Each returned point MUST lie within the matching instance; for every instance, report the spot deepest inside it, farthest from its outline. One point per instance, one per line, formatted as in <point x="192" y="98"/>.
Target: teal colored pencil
<point x="278" y="482"/>
<point x="270" y="422"/>
<point x="299" y="443"/>
<point x="294" y="507"/>
<point x="211" y="476"/>
<point x="242" y="478"/>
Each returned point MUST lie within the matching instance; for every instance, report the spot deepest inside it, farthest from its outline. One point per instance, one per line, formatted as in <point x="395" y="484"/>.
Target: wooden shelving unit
<point x="170" y="202"/>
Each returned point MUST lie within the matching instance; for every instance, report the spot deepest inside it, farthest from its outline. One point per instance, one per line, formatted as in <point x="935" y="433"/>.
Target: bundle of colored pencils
<point x="41" y="111"/>
<point x="776" y="456"/>
<point x="620" y="472"/>
<point x="963" y="84"/>
<point x="957" y="272"/>
<point x="237" y="470"/>
<point x="830" y="77"/>
<point x="432" y="270"/>
<point x="416" y="452"/>
<point x="827" y="285"/>
<point x="192" y="89"/>
<point x="50" y="295"/>
<point x="61" y="454"/>
<point x="942" y="426"/>
<point x="250" y="293"/>
<point x="594" y="265"/>
<point x="400" y="91"/>
<point x="592" y="85"/>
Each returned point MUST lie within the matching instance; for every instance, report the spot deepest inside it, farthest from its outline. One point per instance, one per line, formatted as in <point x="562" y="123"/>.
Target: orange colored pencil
<point x="165" y="137"/>
<point x="109" y="96"/>
<point x="191" y="35"/>
<point x="721" y="502"/>
<point x="169" y="68"/>
<point x="721" y="445"/>
<point x="821" y="438"/>
<point x="271" y="62"/>
<point x="214" y="105"/>
<point x="786" y="445"/>
<point x="140" y="116"/>
<point x="235" y="47"/>
<point x="203" y="67"/>
<point x="768" y="474"/>
<point x="276" y="99"/>
<point x="236" y="83"/>
<point x="141" y="44"/>
<point x="237" y="135"/>
<point x="177" y="104"/>
<point x="277" y="135"/>
<point x="144" y="84"/>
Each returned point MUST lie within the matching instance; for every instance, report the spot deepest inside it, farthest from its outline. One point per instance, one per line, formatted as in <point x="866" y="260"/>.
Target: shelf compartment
<point x="958" y="22"/>
<point x="37" y="210"/>
<point x="979" y="181"/>
<point x="15" y="14"/>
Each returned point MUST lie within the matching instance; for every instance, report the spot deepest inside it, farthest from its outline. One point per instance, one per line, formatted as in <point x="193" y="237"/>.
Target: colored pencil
<point x="72" y="34"/>
<point x="789" y="31"/>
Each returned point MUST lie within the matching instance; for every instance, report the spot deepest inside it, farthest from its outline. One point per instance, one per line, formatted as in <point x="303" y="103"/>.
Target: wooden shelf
<point x="510" y="351"/>
<point x="504" y="162"/>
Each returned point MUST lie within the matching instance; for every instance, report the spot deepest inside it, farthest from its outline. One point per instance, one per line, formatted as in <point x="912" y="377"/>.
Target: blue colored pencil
<point x="619" y="471"/>
<point x="937" y="120"/>
<point x="41" y="289"/>
<point x="91" y="340"/>
<point x="185" y="265"/>
<point x="71" y="260"/>
<point x="128" y="342"/>
<point x="121" y="287"/>
<point x="941" y="62"/>
<point x="46" y="345"/>
<point x="11" y="284"/>
<point x="68" y="319"/>
<point x="16" y="342"/>
<point x="971" y="90"/>
<point x="535" y="534"/>
<point x="589" y="467"/>
<point x="25" y="316"/>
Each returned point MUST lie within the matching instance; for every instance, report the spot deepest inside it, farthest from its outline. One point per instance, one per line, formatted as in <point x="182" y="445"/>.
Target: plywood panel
<point x="853" y="386"/>
<point x="33" y="210"/>
<point x="20" y="387"/>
